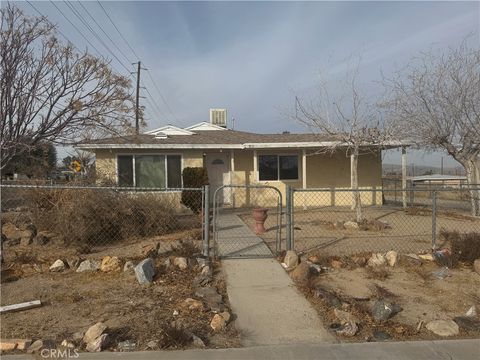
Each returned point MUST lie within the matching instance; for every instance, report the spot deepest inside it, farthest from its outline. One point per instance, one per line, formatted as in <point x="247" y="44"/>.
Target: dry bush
<point x="185" y="248"/>
<point x="465" y="247"/>
<point x="101" y="216"/>
<point x="378" y="272"/>
<point x="174" y="337"/>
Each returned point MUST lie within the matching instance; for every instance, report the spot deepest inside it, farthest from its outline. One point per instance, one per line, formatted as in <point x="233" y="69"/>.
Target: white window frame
<point x="133" y="155"/>
<point x="278" y="155"/>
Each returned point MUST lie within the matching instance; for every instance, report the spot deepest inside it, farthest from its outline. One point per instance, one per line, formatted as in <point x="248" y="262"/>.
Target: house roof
<point x="206" y="136"/>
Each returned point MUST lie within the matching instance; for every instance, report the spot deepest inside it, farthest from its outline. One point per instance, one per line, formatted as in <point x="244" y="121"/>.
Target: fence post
<point x="434" y="220"/>
<point x="288" y="208"/>
<point x="206" y="220"/>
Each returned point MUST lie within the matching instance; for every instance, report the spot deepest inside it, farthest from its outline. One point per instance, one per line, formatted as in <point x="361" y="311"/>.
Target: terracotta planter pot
<point x="260" y="215"/>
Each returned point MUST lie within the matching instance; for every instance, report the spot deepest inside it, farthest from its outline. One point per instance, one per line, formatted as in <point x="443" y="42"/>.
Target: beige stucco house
<point x="156" y="159"/>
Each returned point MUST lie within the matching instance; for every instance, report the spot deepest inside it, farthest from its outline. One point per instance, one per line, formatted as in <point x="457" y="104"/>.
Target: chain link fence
<point x="247" y="221"/>
<point x="325" y="219"/>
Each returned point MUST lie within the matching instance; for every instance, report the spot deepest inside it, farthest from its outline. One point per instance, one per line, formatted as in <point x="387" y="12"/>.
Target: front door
<point x="218" y="168"/>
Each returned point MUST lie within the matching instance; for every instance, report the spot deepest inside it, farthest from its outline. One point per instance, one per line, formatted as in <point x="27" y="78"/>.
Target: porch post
<point x="304" y="177"/>
<point x="232" y="174"/>
<point x="404" y="177"/>
<point x="255" y="166"/>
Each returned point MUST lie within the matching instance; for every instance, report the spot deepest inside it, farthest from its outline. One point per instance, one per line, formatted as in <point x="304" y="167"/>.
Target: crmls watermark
<point x="59" y="353"/>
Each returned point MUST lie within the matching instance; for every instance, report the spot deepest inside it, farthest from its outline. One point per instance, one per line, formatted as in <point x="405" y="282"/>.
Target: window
<point x="150" y="171"/>
<point x="277" y="167"/>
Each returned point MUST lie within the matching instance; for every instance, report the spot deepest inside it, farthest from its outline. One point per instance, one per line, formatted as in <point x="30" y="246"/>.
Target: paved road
<point x="415" y="350"/>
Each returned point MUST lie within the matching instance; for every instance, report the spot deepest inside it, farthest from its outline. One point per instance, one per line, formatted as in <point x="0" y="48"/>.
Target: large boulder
<point x="443" y="327"/>
<point x="94" y="332"/>
<point x="377" y="259"/>
<point x="58" y="266"/>
<point x="181" y="263"/>
<point x="291" y="259"/>
<point x="111" y="264"/>
<point x="218" y="323"/>
<point x="89" y="265"/>
<point x="98" y="344"/>
<point x="382" y="310"/>
<point x="476" y="266"/>
<point x="145" y="271"/>
<point x="391" y="257"/>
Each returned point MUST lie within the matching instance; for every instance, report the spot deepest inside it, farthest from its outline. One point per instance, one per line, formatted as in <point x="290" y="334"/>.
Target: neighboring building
<point x="157" y="157"/>
<point x="437" y="180"/>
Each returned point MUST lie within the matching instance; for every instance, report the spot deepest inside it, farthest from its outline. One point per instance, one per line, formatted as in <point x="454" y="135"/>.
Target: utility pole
<point x="137" y="98"/>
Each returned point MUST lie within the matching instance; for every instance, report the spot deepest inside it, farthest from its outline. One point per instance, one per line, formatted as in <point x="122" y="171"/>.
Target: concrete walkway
<point x="235" y="239"/>
<point x="269" y="308"/>
<point x="418" y="350"/>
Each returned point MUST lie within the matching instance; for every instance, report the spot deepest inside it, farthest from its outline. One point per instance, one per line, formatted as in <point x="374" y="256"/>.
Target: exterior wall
<point x="326" y="171"/>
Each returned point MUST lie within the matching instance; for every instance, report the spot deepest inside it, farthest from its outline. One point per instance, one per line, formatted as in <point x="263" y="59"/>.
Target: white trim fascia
<point x="170" y="130"/>
<point x="160" y="146"/>
<point x="198" y="127"/>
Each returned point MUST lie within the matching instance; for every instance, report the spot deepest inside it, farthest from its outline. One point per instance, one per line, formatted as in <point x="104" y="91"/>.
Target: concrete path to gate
<point x="235" y="239"/>
<point x="268" y="307"/>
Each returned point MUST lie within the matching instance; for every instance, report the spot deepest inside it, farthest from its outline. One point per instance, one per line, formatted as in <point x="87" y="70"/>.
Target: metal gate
<point x="235" y="232"/>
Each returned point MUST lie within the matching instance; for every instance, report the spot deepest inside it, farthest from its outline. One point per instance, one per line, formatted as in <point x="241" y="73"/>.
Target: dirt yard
<point x="410" y="284"/>
<point x="72" y="301"/>
<point x="406" y="231"/>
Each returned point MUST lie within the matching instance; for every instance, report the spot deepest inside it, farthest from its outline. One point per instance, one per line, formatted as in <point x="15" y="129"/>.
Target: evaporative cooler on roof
<point x="218" y="117"/>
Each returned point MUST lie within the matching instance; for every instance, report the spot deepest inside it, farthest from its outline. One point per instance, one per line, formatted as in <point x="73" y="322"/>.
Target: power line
<point x="89" y="28"/>
<point x="119" y="32"/>
<point x="103" y="31"/>
<point x="134" y="53"/>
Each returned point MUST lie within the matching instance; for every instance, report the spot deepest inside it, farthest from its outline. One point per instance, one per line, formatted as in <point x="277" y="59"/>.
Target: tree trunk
<point x="472" y="171"/>
<point x="357" y="204"/>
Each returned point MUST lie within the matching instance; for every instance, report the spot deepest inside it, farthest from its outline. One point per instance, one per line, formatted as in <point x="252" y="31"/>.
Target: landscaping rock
<point x="12" y="344"/>
<point x="89" y="265"/>
<point x="472" y="312"/>
<point x="111" y="264"/>
<point x="428" y="257"/>
<point x="301" y="272"/>
<point x="314" y="259"/>
<point x="73" y="263"/>
<point x="443" y="327"/>
<point x="129" y="266"/>
<point x="58" y="266"/>
<point x="180" y="262"/>
<point x="94" y="332"/>
<point x="291" y="259"/>
<point x="11" y="231"/>
<point x="145" y="271"/>
<point x="476" y="266"/>
<point x="197" y="342"/>
<point x="204" y="292"/>
<point x="348" y="330"/>
<point x="218" y="323"/>
<point x="382" y="310"/>
<point x="193" y="304"/>
<point x="153" y="345"/>
<point x="351" y="225"/>
<point x="226" y="315"/>
<point x="377" y="260"/>
<point x="391" y="257"/>
<point x="345" y="317"/>
<point x="206" y="270"/>
<point x="67" y="344"/>
<point x="327" y="296"/>
<point x="127" y="345"/>
<point x="468" y="323"/>
<point x="98" y="344"/>
<point x="41" y="344"/>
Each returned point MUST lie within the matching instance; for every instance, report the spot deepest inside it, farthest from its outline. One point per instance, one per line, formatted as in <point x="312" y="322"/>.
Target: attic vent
<point x="161" y="135"/>
<point x="218" y="117"/>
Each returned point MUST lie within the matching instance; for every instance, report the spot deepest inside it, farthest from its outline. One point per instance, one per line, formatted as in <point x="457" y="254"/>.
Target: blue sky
<point x="254" y="57"/>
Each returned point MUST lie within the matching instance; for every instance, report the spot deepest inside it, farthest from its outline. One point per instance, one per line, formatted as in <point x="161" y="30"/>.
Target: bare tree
<point x="435" y="101"/>
<point x="50" y="91"/>
<point x="351" y="120"/>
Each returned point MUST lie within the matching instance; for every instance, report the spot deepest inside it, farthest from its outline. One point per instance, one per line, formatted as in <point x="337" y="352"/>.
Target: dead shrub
<point x="378" y="272"/>
<point x="101" y="216"/>
<point x="465" y="247"/>
<point x="174" y="337"/>
<point x="185" y="248"/>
